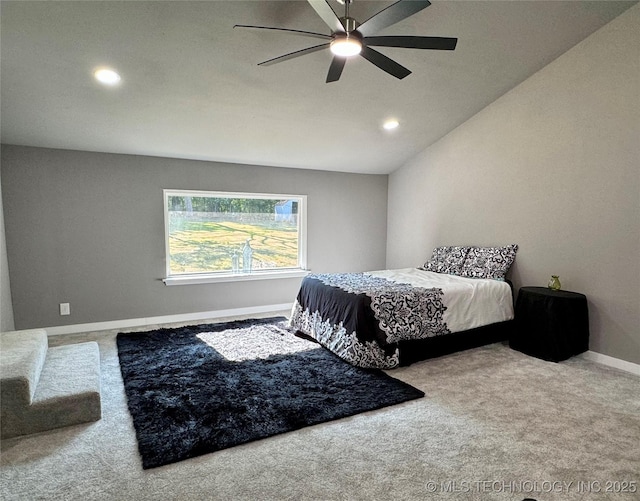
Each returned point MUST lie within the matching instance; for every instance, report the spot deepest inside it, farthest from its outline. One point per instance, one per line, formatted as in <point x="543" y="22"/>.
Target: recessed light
<point x="390" y="124"/>
<point x="106" y="76"/>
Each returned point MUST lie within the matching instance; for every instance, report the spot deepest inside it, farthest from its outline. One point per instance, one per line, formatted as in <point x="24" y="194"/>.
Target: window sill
<point x="238" y="277"/>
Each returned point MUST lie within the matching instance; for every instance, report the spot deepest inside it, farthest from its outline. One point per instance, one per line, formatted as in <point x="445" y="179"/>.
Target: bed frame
<point x="424" y="349"/>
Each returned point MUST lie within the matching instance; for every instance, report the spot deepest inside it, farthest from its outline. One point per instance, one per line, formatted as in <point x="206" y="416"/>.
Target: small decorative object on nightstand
<point x="554" y="283"/>
<point x="550" y="324"/>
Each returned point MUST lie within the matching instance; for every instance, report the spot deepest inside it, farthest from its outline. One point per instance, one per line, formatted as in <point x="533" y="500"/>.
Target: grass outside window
<point x="223" y="235"/>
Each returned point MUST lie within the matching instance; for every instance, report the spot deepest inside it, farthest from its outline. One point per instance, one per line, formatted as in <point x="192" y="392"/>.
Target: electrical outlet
<point x="65" y="309"/>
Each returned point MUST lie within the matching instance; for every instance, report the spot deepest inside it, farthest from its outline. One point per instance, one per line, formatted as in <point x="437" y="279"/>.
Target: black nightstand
<point x="551" y="325"/>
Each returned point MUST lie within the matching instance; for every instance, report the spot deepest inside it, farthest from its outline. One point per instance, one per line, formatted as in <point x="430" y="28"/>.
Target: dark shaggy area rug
<point x="199" y="389"/>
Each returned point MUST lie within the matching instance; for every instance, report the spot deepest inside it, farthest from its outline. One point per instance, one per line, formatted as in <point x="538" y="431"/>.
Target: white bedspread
<point x="470" y="302"/>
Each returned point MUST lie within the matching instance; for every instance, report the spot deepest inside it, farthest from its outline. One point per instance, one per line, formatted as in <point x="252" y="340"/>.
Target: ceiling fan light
<point x="346" y="47"/>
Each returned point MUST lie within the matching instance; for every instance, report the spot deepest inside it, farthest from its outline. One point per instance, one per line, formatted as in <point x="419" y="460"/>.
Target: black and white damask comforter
<point x="363" y="316"/>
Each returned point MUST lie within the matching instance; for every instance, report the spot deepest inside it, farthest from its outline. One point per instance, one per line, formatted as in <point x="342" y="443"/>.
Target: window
<point x="219" y="236"/>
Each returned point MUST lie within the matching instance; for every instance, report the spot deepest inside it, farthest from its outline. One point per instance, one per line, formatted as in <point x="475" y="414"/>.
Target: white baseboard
<point x="184" y="317"/>
<point x="612" y="362"/>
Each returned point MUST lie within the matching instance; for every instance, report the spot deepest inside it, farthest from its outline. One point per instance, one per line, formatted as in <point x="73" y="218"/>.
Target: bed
<point x="458" y="299"/>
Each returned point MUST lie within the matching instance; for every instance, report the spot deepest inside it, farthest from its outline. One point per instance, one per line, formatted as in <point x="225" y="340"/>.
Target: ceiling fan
<point x="350" y="38"/>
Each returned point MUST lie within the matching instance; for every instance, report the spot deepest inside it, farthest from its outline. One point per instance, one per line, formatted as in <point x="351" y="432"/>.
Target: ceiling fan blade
<point x="286" y="30"/>
<point x="438" y="43"/>
<point x="384" y="63"/>
<point x="326" y="12"/>
<point x="391" y="15"/>
<point x="292" y="55"/>
<point x="335" y="70"/>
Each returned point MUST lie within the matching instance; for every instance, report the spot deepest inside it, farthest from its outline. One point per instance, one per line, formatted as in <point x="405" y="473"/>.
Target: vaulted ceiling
<point x="191" y="86"/>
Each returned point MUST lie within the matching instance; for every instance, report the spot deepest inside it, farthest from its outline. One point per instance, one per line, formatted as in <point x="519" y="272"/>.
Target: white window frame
<point x="212" y="277"/>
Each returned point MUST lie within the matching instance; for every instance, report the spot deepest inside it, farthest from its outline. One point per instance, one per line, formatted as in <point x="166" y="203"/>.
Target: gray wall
<point x="554" y="166"/>
<point x="88" y="229"/>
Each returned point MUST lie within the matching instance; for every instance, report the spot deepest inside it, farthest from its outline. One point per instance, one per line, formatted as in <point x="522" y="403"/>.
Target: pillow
<point x="437" y="257"/>
<point x="447" y="260"/>
<point x="489" y="262"/>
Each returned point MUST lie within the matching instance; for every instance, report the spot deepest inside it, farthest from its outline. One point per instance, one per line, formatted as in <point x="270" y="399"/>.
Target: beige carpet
<point x="494" y="425"/>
